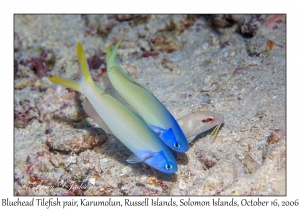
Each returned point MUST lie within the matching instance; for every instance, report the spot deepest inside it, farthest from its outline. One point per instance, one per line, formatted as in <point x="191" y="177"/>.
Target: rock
<point x="61" y="103"/>
<point x="207" y="157"/>
<point x="75" y="140"/>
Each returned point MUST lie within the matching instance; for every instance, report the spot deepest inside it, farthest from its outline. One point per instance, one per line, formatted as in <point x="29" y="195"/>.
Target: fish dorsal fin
<point x="118" y="70"/>
<point x="90" y="110"/>
<point x="109" y="89"/>
<point x="113" y="63"/>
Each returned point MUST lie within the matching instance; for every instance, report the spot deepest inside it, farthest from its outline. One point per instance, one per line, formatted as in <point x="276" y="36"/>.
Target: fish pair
<point x="141" y="121"/>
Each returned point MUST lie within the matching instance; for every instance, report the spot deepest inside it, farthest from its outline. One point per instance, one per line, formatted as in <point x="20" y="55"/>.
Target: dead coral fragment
<point x="208" y="158"/>
<point x="60" y="103"/>
<point x="75" y="140"/>
<point x="37" y="65"/>
<point x="273" y="138"/>
<point x="222" y="21"/>
<point x="188" y="21"/>
<point x="249" y="28"/>
<point x="39" y="173"/>
<point x="107" y="190"/>
<point x="256" y="47"/>
<point x="40" y="61"/>
<point x="100" y="24"/>
<point x="163" y="41"/>
<point x="96" y="60"/>
<point x="125" y="17"/>
<point x="273" y="20"/>
<point x="147" y="54"/>
<point x="23" y="113"/>
<point x="249" y="163"/>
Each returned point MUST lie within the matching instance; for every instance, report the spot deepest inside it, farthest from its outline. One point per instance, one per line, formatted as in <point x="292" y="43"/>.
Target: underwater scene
<point x="149" y="105"/>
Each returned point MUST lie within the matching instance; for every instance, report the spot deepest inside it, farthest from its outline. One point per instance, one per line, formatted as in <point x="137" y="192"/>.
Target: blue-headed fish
<point x="116" y="118"/>
<point x="144" y="103"/>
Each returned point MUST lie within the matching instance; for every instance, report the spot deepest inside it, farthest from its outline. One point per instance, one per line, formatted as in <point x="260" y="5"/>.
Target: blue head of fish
<point x="177" y="142"/>
<point x="159" y="160"/>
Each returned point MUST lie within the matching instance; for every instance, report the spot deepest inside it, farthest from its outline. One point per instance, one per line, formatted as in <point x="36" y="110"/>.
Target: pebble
<point x="92" y="181"/>
<point x="126" y="170"/>
<point x="182" y="184"/>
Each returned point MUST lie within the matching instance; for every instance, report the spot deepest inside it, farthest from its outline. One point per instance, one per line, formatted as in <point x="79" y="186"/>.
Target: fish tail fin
<point x="85" y="73"/>
<point x="111" y="59"/>
<point x="68" y="83"/>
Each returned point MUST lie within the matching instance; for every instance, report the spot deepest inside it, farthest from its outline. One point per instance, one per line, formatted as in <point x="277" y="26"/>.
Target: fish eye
<point x="168" y="166"/>
<point x="177" y="145"/>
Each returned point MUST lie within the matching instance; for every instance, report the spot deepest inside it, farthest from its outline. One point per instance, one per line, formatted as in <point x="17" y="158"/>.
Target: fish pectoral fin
<point x="142" y="156"/>
<point x="215" y="131"/>
<point x="157" y="130"/>
<point x="134" y="159"/>
<point x="166" y="136"/>
<point x="213" y="134"/>
<point x="190" y="139"/>
<point x="90" y="110"/>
